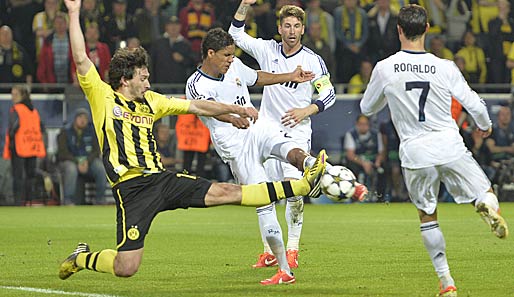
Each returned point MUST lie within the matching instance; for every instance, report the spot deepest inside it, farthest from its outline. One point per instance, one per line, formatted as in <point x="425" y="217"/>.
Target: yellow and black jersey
<point x="124" y="128"/>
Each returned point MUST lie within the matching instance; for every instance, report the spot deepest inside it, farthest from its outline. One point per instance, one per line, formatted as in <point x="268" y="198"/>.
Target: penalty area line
<point x="50" y="291"/>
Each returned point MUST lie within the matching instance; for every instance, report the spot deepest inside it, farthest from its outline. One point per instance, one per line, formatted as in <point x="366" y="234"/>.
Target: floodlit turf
<point x="346" y="250"/>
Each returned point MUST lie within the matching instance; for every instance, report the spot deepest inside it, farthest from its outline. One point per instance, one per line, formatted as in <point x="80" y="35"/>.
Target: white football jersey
<point x="231" y="88"/>
<point x="279" y="98"/>
<point x="418" y="87"/>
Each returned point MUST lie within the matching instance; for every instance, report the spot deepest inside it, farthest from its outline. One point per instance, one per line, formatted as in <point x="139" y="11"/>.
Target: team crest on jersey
<point x="238" y="82"/>
<point x="144" y="109"/>
<point x="117" y="111"/>
<point x="133" y="233"/>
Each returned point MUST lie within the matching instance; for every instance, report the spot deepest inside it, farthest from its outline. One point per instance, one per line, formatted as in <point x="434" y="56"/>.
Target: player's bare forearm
<point x="242" y="10"/>
<point x="211" y="109"/>
<point x="78" y="47"/>
<point x="298" y="75"/>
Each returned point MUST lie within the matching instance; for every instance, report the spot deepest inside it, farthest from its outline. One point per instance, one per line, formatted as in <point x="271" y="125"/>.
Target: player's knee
<point x="126" y="270"/>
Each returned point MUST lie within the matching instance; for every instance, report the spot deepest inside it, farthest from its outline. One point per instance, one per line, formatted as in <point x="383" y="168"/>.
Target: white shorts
<point x="277" y="170"/>
<point x="463" y="178"/>
<point x="247" y="167"/>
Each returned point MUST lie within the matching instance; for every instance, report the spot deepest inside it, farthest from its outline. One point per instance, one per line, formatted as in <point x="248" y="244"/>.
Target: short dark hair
<point x="413" y="20"/>
<point x="216" y="39"/>
<point x="123" y="64"/>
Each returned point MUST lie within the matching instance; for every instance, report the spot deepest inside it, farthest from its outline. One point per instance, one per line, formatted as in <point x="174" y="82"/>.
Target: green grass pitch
<point x="346" y="250"/>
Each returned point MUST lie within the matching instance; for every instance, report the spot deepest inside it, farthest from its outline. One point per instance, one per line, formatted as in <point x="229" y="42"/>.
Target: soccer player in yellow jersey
<point x="123" y="113"/>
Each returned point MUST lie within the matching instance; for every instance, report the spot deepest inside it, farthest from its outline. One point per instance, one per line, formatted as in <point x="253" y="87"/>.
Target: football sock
<point x="308" y="161"/>
<point x="276" y="243"/>
<point x="294" y="219"/>
<point x="436" y="247"/>
<point x="266" y="193"/>
<point x="102" y="261"/>
<point x="490" y="199"/>
<point x="265" y="214"/>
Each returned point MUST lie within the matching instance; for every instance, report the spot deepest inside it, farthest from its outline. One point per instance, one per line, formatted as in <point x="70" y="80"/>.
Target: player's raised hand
<point x="299" y="75"/>
<point x="72" y="5"/>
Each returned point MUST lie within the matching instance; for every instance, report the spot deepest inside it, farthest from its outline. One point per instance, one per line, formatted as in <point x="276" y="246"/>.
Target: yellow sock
<point x="265" y="193"/>
<point x="102" y="261"/>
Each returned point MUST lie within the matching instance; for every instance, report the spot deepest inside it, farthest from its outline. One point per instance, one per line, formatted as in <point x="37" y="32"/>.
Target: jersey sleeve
<point x="469" y="99"/>
<point x="168" y="106"/>
<point x="322" y="84"/>
<point x="255" y="47"/>
<point x="374" y="99"/>
<point x="96" y="91"/>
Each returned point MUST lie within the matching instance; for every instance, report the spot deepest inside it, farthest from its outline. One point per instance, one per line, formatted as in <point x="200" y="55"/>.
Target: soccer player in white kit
<point x="291" y="104"/>
<point x="418" y="87"/>
<point x="242" y="144"/>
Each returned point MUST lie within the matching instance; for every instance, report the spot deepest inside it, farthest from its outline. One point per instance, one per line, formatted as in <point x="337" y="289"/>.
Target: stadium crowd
<point x="477" y="34"/>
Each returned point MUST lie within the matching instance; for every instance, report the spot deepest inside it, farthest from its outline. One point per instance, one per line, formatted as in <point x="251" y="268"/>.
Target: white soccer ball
<point x="338" y="183"/>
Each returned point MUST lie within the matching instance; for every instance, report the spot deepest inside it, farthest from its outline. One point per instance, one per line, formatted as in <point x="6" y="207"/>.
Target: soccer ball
<point x="338" y="183"/>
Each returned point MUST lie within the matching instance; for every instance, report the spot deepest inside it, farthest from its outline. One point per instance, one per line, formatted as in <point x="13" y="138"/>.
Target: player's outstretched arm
<point x="211" y="108"/>
<point x="78" y="47"/>
<point x="243" y="9"/>
<point x="298" y="76"/>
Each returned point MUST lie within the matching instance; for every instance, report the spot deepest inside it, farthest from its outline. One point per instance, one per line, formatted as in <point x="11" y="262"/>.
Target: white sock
<point x="294" y="219"/>
<point x="308" y="161"/>
<point x="265" y="214"/>
<point x="436" y="247"/>
<point x="276" y="243"/>
<point x="490" y="199"/>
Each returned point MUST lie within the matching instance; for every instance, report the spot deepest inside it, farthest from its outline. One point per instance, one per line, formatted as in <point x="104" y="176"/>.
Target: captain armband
<point x="323" y="83"/>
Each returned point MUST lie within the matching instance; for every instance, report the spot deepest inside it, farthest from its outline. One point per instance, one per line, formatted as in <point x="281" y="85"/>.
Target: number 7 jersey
<point x="418" y="87"/>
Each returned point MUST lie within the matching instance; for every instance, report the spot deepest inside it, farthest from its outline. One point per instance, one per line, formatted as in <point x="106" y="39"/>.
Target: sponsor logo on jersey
<point x="137" y="119"/>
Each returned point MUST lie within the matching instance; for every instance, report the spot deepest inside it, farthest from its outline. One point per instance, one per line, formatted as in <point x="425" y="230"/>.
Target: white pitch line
<point x="49" y="291"/>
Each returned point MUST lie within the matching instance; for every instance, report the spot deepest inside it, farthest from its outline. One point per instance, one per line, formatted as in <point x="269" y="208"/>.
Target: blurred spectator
<point x="196" y="19"/>
<point x="320" y="47"/>
<point x="383" y="38"/>
<point x="365" y="154"/>
<point x="315" y="14"/>
<point x="193" y="138"/>
<point x="172" y="51"/>
<point x="351" y="28"/>
<point x="117" y="26"/>
<point x="457" y="18"/>
<point x="461" y="64"/>
<point x="55" y="57"/>
<point x="15" y="64"/>
<point x="395" y="187"/>
<point x="475" y="59"/>
<point x="19" y="16"/>
<point x="23" y="144"/>
<point x="149" y="23"/>
<point x="501" y="141"/>
<point x="97" y="51"/>
<point x="43" y="24"/>
<point x="476" y="145"/>
<point x="438" y="48"/>
<point x="78" y="154"/>
<point x="358" y="82"/>
<point x="89" y="14"/>
<point x="172" y="7"/>
<point x="501" y="36"/>
<point x="132" y="42"/>
<point x="482" y="11"/>
<point x="166" y="146"/>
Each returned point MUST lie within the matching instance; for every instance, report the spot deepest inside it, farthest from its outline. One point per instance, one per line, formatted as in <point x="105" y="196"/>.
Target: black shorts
<point x="140" y="199"/>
